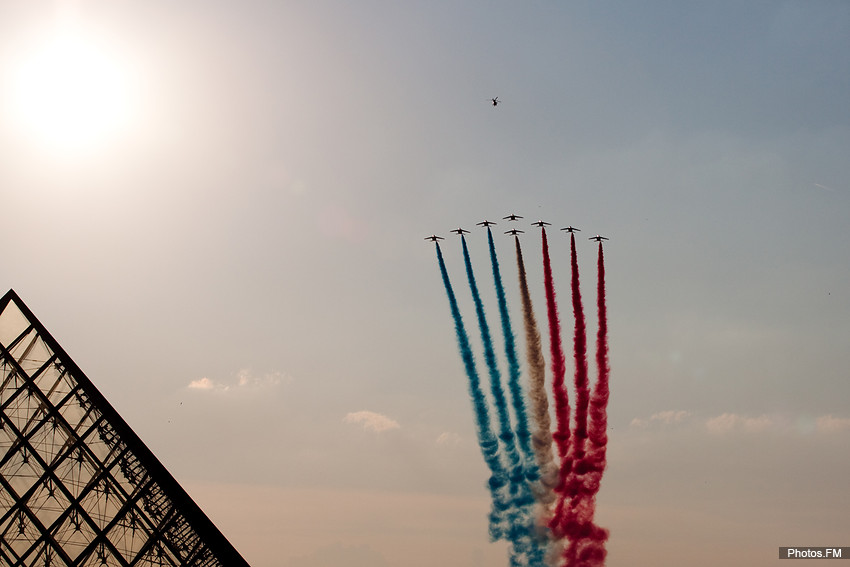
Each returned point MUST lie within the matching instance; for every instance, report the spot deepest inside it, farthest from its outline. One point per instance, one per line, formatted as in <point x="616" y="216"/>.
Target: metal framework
<point x="78" y="488"/>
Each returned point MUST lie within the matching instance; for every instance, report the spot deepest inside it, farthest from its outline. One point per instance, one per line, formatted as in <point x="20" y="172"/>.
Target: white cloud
<point x="247" y="380"/>
<point x="448" y="439"/>
<point x="722" y="423"/>
<point x="729" y="422"/>
<point x="829" y="424"/>
<point x="668" y="417"/>
<point x="201" y="384"/>
<point x="244" y="381"/>
<point x="372" y="421"/>
<point x="207" y="385"/>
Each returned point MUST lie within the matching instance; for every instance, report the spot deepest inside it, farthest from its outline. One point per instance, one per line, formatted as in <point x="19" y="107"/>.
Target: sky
<point x="222" y="220"/>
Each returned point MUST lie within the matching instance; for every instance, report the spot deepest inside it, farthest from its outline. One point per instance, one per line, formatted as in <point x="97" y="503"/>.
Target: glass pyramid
<point x="77" y="486"/>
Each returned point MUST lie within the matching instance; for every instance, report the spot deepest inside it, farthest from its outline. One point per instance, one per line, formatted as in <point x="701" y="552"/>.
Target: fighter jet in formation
<point x="514" y="232"/>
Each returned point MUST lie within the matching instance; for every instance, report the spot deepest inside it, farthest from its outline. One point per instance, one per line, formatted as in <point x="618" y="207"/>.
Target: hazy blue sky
<point x="239" y="264"/>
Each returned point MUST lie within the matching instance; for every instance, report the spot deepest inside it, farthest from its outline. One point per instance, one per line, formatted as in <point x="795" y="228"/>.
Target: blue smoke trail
<point x="521" y="498"/>
<point x="517" y="398"/>
<point x="538" y="545"/>
<point x="487" y="441"/>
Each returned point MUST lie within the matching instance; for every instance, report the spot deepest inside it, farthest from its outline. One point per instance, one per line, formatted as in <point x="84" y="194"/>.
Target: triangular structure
<point x="78" y="488"/>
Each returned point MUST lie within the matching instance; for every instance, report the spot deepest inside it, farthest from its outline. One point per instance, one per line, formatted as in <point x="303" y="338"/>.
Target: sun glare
<point x="70" y="93"/>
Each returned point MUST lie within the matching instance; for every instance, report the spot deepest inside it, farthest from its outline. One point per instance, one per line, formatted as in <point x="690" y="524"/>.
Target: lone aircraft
<point x="495" y="101"/>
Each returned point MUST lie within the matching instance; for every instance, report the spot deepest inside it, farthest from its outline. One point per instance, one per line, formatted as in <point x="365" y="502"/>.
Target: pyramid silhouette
<point x="77" y="485"/>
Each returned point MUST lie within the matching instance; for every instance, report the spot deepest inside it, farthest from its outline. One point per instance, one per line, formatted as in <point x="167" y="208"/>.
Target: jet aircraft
<point x="571" y="229"/>
<point x="485" y="223"/>
<point x="514" y="232"/>
<point x="434" y="238"/>
<point x="540" y="223"/>
<point x="597" y="238"/>
<point x="459" y="231"/>
<point x="512" y="217"/>
<point x="495" y="101"/>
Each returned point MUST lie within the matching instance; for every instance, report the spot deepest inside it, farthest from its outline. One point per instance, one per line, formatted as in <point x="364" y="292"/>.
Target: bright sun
<point x="70" y="94"/>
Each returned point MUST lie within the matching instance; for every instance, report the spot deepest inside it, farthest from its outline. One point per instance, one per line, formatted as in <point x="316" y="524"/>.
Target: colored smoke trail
<point x="591" y="548"/>
<point x="559" y="392"/>
<point x="521" y="498"/>
<point x="542" y="436"/>
<point x="599" y="401"/>
<point x="517" y="399"/>
<point x="559" y="368"/>
<point x="571" y="499"/>
<point x="487" y="441"/>
<point x="580" y="354"/>
<point x="522" y="460"/>
<point x="530" y="469"/>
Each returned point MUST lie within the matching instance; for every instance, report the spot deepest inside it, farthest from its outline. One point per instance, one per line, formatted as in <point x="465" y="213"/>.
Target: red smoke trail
<point x="599" y="400"/>
<point x="559" y="369"/>
<point x="565" y="518"/>
<point x="580" y="351"/>
<point x="591" y="548"/>
<point x="560" y="395"/>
